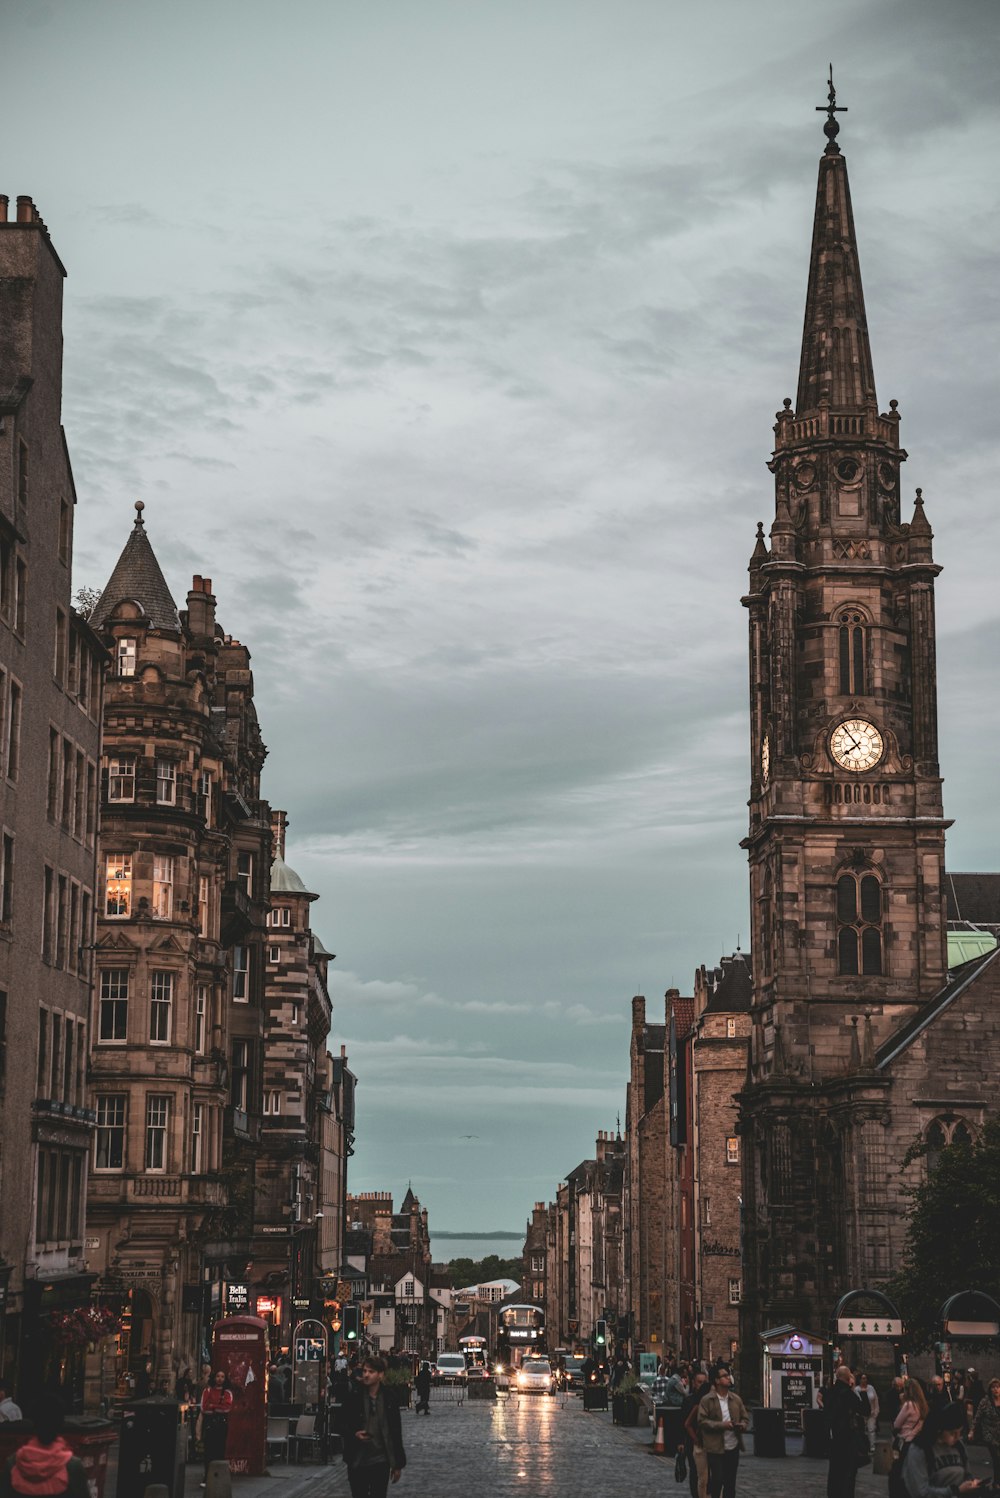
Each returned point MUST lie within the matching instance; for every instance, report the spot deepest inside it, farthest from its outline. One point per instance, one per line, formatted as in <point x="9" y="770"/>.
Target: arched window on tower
<point x="859" y="924"/>
<point x="853" y="646"/>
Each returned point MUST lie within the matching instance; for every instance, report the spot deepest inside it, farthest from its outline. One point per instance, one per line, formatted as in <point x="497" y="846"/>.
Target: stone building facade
<point x="533" y="1275"/>
<point x="176" y="1059"/>
<point x="863" y="1042"/>
<point x="651" y="1207"/>
<point x="584" y="1267"/>
<point x="51" y="683"/>
<point x="298" y="1230"/>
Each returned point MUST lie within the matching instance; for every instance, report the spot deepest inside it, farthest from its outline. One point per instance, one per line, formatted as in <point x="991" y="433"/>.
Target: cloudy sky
<point x="446" y="336"/>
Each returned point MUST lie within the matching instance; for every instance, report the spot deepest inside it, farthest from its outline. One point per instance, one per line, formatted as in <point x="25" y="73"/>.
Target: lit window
<point x="109" y="1139"/>
<point x="197" y="1136"/>
<point x="112" y="1022"/>
<point x="118" y="885"/>
<point x="166" y="782"/>
<point x="735" y="1292"/>
<point x="163" y="887"/>
<point x="121" y="778"/>
<point x="733" y="1149"/>
<point x="157" y="1121"/>
<point x="161" y="1000"/>
<point x="859" y="924"/>
<point x="731" y="1027"/>
<point x="241" y="974"/>
<point x="126" y="657"/>
<point x="203" y="915"/>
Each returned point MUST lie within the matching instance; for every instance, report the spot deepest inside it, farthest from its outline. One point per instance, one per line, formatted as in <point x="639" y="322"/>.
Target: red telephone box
<point x="239" y="1348"/>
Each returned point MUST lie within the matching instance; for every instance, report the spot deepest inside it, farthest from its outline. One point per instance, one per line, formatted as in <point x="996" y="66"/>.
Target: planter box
<point x="595" y="1396"/>
<point x="624" y="1411"/>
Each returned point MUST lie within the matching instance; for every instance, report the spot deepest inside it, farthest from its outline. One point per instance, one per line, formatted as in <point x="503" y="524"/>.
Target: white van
<point x="451" y="1368"/>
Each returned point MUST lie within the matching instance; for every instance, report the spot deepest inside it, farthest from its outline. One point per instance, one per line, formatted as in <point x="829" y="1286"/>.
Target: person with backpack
<point x="936" y="1463"/>
<point x="45" y="1464"/>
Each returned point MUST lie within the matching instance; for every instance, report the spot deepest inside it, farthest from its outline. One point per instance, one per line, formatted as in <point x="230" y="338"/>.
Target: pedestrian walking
<point x="216" y="1406"/>
<point x="986" y="1425"/>
<point x="974" y="1396"/>
<point x="937" y="1464"/>
<point x="722" y="1419"/>
<point x="694" y="1447"/>
<point x="372" y="1434"/>
<point x="422" y="1384"/>
<point x="45" y="1464"/>
<point x="868" y="1396"/>
<point x="907" y="1425"/>
<point x="847" y="1416"/>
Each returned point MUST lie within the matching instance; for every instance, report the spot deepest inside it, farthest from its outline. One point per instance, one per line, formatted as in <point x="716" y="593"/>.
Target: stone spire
<point x="835" y="369"/>
<point x="137" y="578"/>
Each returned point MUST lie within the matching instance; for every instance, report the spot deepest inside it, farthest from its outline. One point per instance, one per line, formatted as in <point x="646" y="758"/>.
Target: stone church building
<point x="865" y="1038"/>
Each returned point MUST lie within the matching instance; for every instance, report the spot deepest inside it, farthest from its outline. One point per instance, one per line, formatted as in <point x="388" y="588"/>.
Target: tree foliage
<point x="953" y="1235"/>
<point x="465" y="1272"/>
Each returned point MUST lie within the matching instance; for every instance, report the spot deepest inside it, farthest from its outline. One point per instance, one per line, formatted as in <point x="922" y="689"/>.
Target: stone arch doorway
<point x="138" y="1342"/>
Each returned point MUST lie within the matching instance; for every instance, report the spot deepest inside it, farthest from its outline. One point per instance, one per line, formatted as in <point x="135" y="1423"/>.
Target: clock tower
<point x="846" y="835"/>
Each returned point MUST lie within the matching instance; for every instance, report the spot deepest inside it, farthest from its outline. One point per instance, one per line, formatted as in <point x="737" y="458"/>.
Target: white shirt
<point x="730" y="1440"/>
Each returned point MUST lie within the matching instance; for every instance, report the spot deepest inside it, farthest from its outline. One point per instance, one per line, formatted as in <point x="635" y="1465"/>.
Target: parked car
<point x="451" y="1368"/>
<point x="535" y="1376"/>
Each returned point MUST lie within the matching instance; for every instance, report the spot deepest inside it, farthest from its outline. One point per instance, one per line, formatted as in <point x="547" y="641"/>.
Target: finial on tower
<point x="832" y="127"/>
<point x="139" y="507"/>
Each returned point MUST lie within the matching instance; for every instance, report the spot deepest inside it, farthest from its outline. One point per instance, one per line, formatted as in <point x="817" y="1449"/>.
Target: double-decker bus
<point x="476" y="1352"/>
<point x="520" y="1332"/>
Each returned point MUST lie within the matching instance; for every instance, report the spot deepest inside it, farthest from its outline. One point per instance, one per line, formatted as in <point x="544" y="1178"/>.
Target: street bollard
<point x="157" y="1490"/>
<point x="218" y="1481"/>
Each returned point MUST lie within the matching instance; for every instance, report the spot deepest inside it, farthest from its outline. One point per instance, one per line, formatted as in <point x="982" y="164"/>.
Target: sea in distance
<point x="445" y="1247"/>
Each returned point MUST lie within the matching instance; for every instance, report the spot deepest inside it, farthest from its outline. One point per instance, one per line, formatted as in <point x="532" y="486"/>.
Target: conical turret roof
<point x="285" y="881"/>
<point x="835" y="369"/>
<point x="137" y="576"/>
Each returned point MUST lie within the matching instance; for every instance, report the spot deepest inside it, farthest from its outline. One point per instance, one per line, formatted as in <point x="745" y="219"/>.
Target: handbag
<point x="680" y="1466"/>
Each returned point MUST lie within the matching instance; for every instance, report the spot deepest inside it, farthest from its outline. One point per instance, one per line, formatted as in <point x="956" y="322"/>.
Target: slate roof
<point x="733" y="990"/>
<point x="973" y="898"/>
<point x="137" y="577"/>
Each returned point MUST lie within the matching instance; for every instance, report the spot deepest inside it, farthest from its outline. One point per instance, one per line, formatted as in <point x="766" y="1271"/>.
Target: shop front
<point x="793" y="1372"/>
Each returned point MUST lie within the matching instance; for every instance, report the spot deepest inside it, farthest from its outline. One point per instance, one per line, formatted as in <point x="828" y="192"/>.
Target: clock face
<point x="765" y="759"/>
<point x="856" y="745"/>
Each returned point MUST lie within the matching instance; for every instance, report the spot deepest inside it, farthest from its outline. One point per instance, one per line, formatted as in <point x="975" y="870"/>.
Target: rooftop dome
<point x="285" y="881"/>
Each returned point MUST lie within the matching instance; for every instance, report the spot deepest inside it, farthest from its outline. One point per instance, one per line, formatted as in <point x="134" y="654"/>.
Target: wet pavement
<point x="546" y="1448"/>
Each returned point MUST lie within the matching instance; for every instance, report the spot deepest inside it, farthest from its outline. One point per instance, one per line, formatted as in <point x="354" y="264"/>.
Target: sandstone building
<point x="865" y="1039"/>
<point x="51" y="681"/>
<point x="177" y="1044"/>
<point x="584" y="1276"/>
<point x="308" y="1113"/>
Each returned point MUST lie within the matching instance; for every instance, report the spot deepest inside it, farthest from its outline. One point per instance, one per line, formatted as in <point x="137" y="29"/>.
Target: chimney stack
<point x="201" y="611"/>
<point x="4" y="205"/>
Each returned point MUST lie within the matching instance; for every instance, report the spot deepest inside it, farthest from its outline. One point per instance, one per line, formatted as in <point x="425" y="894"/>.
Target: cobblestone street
<point x="551" y="1448"/>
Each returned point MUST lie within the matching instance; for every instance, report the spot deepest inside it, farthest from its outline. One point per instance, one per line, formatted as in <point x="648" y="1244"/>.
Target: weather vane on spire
<point x="831" y="109"/>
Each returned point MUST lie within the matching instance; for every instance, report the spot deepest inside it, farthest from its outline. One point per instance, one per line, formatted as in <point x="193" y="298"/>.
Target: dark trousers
<point x="369" y="1482"/>
<point x="423" y="1402"/>
<point x="214" y="1433"/>
<point x="843" y="1474"/>
<point x="722" y="1473"/>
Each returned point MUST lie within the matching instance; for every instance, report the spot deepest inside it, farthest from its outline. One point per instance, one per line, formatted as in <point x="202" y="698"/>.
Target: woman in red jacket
<point x="216" y="1403"/>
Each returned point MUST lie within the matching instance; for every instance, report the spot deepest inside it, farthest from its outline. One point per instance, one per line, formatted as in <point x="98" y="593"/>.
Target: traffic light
<point x="351" y="1317"/>
<point x="601" y="1335"/>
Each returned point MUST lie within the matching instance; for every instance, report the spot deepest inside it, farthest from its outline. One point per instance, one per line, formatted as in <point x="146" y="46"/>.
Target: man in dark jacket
<point x="422" y="1384"/>
<point x="848" y="1437"/>
<point x="373" y="1435"/>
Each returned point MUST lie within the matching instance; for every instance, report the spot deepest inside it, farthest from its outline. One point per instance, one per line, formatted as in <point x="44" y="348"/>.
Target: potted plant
<point x="397" y="1383"/>
<point x="626" y="1401"/>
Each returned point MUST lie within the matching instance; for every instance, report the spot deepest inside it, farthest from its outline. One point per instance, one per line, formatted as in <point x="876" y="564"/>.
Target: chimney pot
<point x="4" y="205"/>
<point x="206" y="584"/>
<point x="25" y="210"/>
